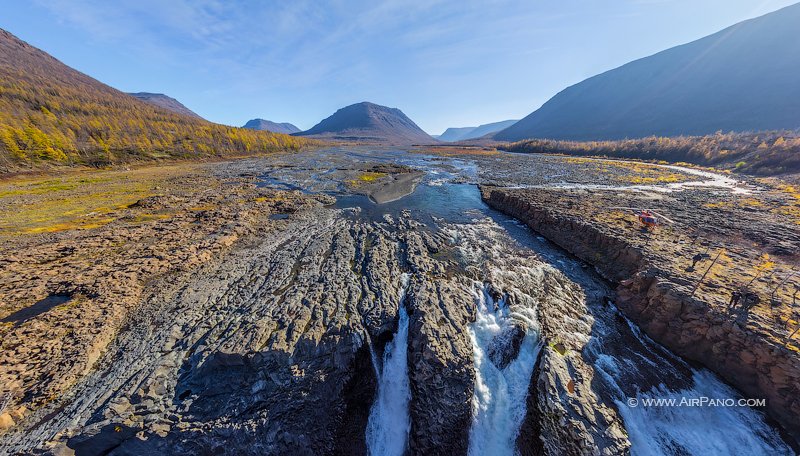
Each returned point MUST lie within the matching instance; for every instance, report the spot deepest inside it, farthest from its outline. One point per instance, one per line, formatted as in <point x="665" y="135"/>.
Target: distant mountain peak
<point x="453" y="134"/>
<point x="164" y="101"/>
<point x="268" y="125"/>
<point x="369" y="122"/>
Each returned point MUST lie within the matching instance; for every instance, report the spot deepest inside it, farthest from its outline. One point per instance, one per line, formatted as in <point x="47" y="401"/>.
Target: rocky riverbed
<point x="677" y="281"/>
<point x="253" y="307"/>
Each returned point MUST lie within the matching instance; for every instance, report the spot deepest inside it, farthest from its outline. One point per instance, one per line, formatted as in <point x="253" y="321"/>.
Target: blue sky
<point x="444" y="63"/>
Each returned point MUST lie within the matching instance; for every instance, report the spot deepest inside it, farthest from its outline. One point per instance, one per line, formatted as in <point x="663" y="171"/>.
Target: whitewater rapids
<point x="691" y="430"/>
<point x="499" y="398"/>
<point x="389" y="422"/>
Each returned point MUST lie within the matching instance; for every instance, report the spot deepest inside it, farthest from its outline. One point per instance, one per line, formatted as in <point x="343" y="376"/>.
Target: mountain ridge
<point x="268" y="125"/>
<point x="454" y="134"/>
<point x="741" y="78"/>
<point x="369" y="122"/>
<point x="164" y="101"/>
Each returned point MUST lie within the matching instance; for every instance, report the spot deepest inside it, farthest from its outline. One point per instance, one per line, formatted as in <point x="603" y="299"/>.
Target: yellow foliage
<point x="43" y="118"/>
<point x="767" y="153"/>
<point x="370" y="177"/>
<point x="765" y="264"/>
<point x="365" y="178"/>
<point x="74" y="201"/>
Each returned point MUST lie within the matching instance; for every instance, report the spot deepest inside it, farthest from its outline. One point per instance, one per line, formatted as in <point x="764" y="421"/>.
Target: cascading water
<point x="389" y="422"/>
<point x="664" y="428"/>
<point x="698" y="430"/>
<point x="499" y="399"/>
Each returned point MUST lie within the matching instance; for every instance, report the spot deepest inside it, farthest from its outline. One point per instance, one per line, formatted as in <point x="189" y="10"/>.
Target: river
<point x="631" y="368"/>
<point x="427" y="323"/>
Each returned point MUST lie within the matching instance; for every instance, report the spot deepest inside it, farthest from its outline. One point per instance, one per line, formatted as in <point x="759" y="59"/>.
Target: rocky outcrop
<point x="661" y="301"/>
<point x="265" y="350"/>
<point x="441" y="371"/>
<point x="758" y="366"/>
<point x="258" y="318"/>
<point x="566" y="414"/>
<point x="264" y="347"/>
<point x="100" y="278"/>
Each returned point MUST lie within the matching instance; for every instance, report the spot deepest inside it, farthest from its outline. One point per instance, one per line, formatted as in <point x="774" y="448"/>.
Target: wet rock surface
<point x="264" y="350"/>
<point x="68" y="294"/>
<point x="565" y="410"/>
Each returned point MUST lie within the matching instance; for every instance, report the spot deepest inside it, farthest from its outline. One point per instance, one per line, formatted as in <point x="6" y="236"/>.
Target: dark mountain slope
<point x="268" y="125"/>
<point x="368" y="122"/>
<point x="50" y="112"/>
<point x="740" y="79"/>
<point x="456" y="133"/>
<point x="463" y="133"/>
<point x="163" y="101"/>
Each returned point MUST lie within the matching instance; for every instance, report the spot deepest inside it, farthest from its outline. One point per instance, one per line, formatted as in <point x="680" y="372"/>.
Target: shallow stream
<point x="631" y="367"/>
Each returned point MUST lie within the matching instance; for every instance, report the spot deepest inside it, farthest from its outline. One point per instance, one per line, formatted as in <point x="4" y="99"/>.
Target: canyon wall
<point x="662" y="304"/>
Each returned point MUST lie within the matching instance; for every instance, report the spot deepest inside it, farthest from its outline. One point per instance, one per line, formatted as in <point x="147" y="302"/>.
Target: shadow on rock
<point x="315" y="401"/>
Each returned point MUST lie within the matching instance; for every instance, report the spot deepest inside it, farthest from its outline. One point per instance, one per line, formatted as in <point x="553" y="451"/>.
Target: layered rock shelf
<point x="244" y="308"/>
<point x="673" y="303"/>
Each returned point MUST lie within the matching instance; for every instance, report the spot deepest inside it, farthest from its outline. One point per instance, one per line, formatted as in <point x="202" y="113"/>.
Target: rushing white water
<point x="678" y="427"/>
<point x="698" y="430"/>
<point x="500" y="396"/>
<point x="389" y="421"/>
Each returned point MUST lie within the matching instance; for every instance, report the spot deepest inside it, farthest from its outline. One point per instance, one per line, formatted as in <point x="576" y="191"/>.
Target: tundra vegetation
<point x="761" y="153"/>
<point x="51" y="114"/>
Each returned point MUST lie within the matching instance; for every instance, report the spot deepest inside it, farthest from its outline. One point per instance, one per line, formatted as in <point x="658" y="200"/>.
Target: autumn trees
<point x="80" y="121"/>
<point x="761" y="153"/>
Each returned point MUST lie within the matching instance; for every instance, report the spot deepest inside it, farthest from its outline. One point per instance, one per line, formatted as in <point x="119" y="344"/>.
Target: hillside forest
<point x="50" y="113"/>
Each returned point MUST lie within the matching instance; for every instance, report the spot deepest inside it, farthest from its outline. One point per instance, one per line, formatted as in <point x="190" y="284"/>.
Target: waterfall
<point x="698" y="430"/>
<point x="692" y="430"/>
<point x="376" y="365"/>
<point x="500" y="395"/>
<point x="389" y="422"/>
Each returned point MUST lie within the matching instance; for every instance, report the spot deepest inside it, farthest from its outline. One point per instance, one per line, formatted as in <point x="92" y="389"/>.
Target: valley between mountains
<point x="616" y="273"/>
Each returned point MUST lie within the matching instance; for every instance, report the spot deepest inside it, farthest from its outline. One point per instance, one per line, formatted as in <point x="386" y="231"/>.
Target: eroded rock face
<point x="746" y="354"/>
<point x="258" y="335"/>
<point x="266" y="349"/>
<point x="505" y="347"/>
<point x="565" y="411"/>
<point x="759" y="367"/>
